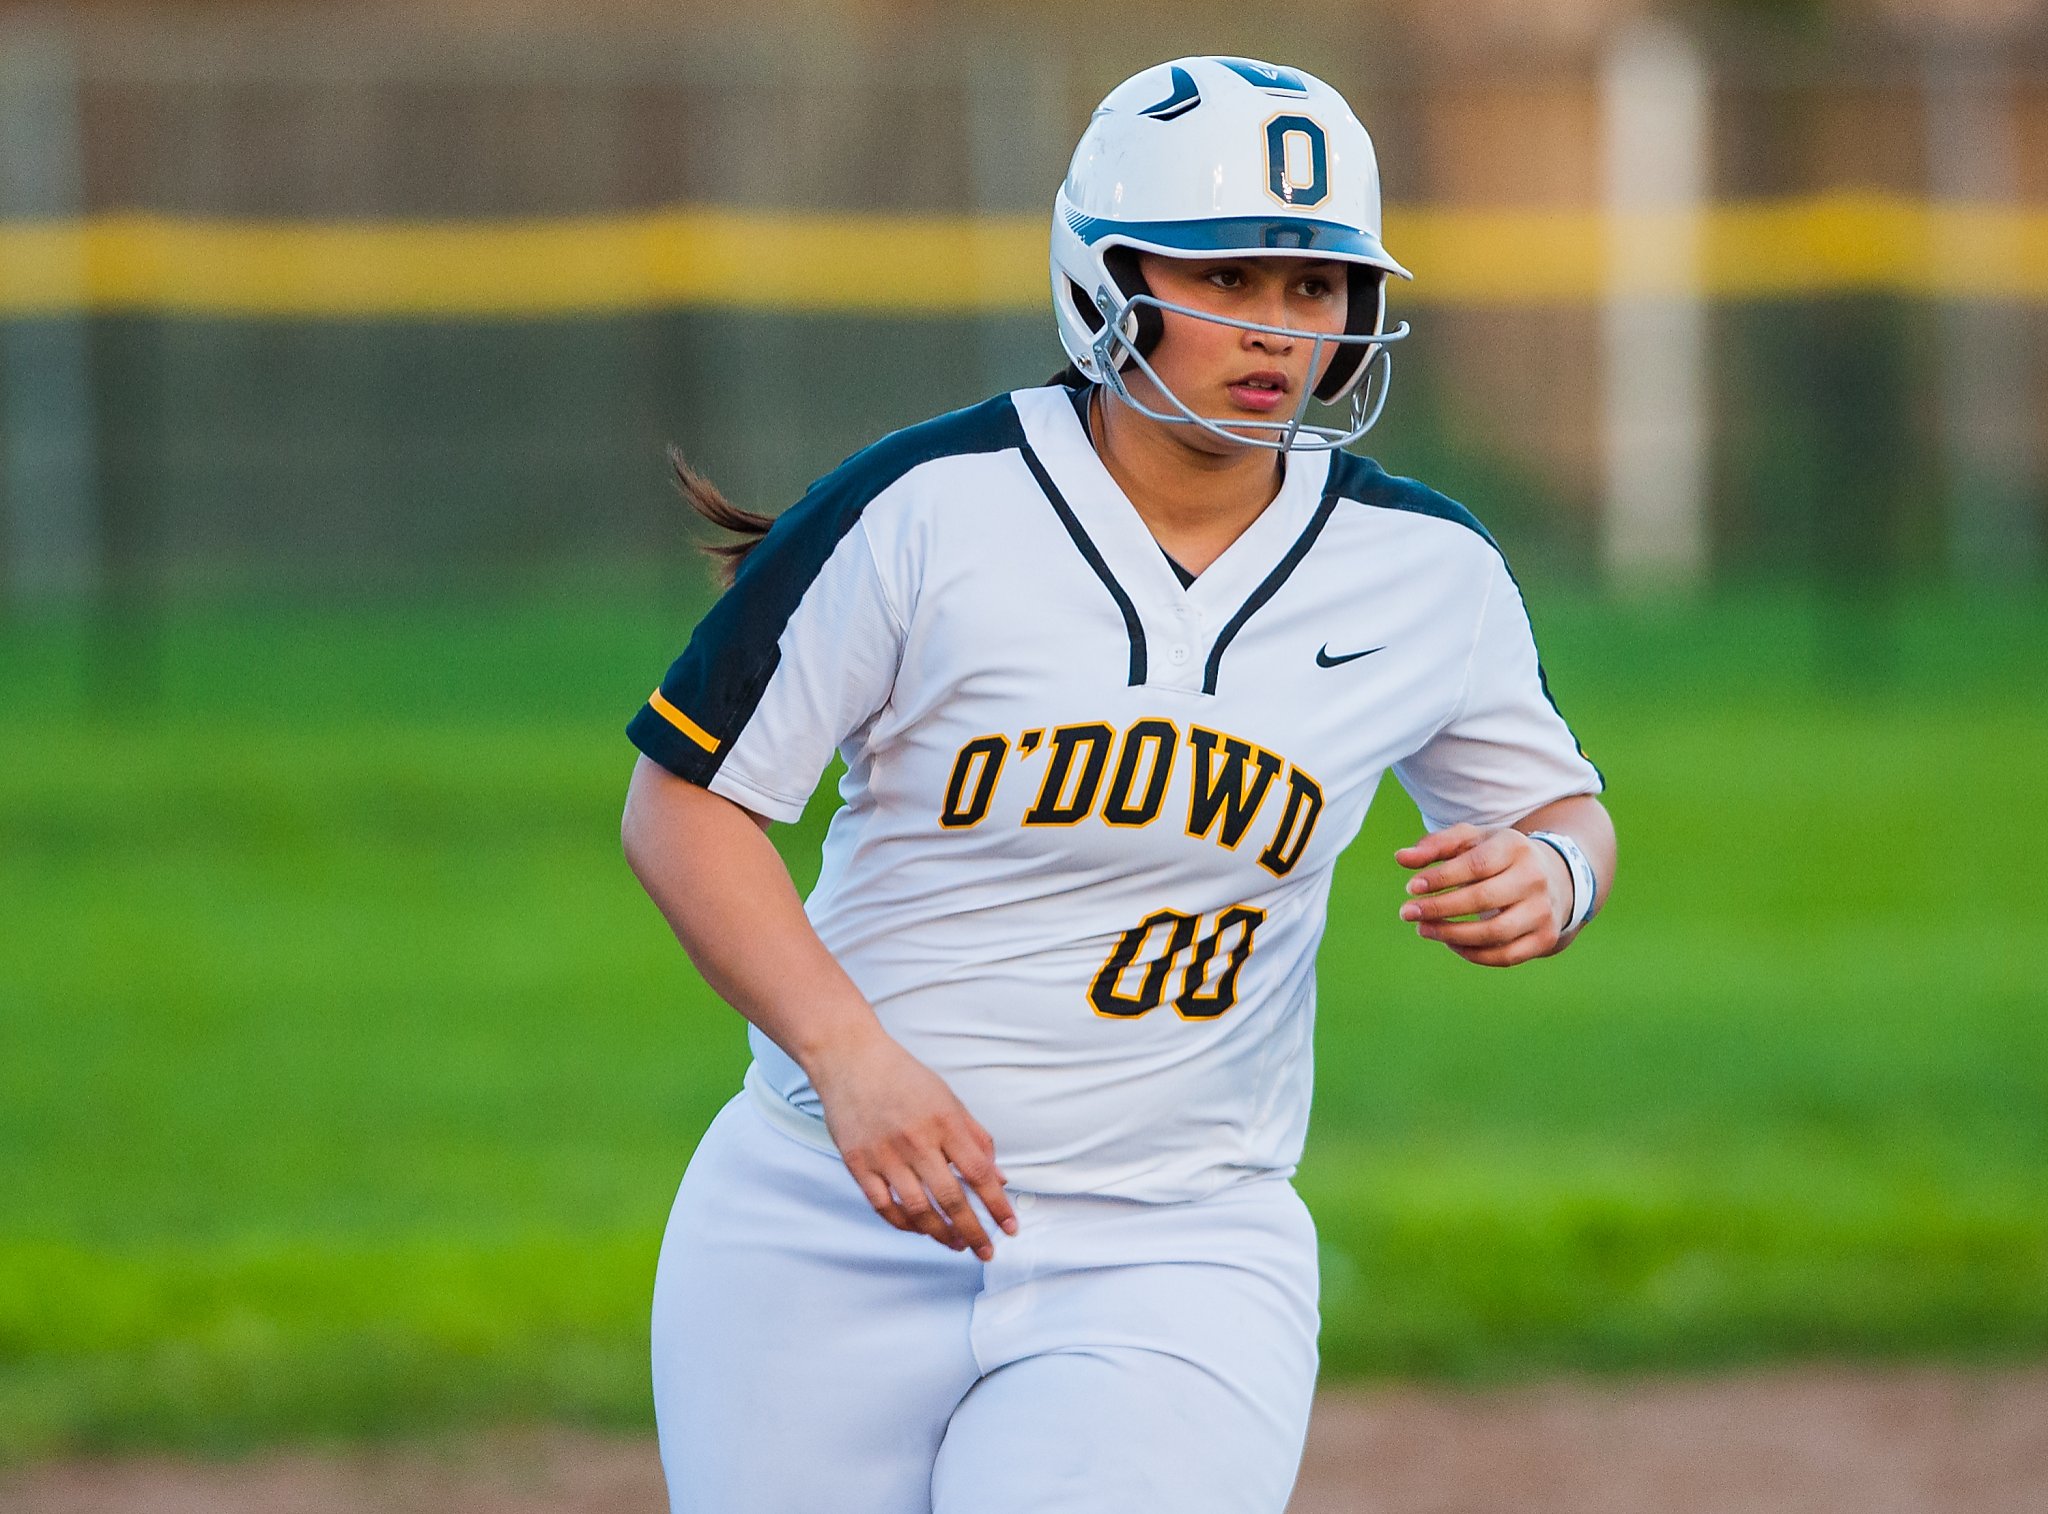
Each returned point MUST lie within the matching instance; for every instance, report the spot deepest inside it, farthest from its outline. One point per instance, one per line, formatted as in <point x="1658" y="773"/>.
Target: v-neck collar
<point x="1119" y="532"/>
<point x="1177" y="635"/>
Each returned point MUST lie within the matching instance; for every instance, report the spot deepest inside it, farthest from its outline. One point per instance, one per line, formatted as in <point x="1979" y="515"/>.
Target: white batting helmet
<point x="1206" y="156"/>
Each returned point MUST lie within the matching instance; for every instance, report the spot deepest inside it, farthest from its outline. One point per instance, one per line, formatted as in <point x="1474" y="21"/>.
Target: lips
<point x="1262" y="390"/>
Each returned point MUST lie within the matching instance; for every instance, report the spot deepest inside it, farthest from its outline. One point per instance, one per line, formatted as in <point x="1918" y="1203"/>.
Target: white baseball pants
<point x="1115" y="1358"/>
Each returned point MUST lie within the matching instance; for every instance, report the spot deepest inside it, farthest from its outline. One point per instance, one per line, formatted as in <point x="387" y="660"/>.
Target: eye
<point x="1226" y="278"/>
<point x="1316" y="287"/>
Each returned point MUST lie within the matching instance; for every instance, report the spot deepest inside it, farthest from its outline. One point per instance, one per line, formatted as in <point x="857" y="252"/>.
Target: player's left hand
<point x="1520" y="888"/>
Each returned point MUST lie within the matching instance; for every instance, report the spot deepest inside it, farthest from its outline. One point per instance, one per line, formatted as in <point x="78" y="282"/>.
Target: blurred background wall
<point x="326" y="296"/>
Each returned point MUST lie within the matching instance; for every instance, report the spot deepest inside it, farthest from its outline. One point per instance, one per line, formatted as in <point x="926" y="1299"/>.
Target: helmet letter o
<point x="1297" y="161"/>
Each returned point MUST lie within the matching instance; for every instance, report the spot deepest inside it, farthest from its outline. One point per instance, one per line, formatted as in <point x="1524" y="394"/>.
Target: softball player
<point x="1115" y="666"/>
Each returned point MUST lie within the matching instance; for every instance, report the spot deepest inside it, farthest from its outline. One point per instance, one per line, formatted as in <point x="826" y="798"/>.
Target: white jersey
<point x="1090" y="814"/>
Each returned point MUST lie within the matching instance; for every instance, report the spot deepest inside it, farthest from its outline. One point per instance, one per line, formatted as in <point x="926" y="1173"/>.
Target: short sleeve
<point x="798" y="654"/>
<point x="1506" y="750"/>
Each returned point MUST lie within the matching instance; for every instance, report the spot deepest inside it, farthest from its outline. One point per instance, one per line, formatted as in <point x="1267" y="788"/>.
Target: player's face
<point x="1225" y="373"/>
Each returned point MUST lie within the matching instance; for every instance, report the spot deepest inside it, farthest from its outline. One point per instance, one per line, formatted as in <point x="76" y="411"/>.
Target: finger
<point x="1511" y="955"/>
<point x="979" y="1170"/>
<point x="951" y="1200"/>
<point x="1497" y="853"/>
<point x="1497" y="892"/>
<point x="1439" y="844"/>
<point x="919" y="1212"/>
<point x="884" y="1203"/>
<point x="879" y="1198"/>
<point x="1527" y="919"/>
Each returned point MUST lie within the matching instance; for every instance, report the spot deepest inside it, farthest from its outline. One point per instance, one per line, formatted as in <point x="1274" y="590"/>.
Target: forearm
<point x="722" y="887"/>
<point x="1585" y="819"/>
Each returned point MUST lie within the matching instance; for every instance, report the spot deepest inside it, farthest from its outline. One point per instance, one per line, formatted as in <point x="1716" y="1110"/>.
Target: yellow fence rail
<point x="935" y="265"/>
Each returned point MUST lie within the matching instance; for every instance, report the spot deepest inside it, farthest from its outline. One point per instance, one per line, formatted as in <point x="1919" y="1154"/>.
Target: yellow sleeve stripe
<point x="681" y="722"/>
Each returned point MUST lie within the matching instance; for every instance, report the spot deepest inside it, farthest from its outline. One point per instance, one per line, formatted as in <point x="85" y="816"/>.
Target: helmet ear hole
<point x="1084" y="307"/>
<point x="1122" y="263"/>
<point x="1366" y="291"/>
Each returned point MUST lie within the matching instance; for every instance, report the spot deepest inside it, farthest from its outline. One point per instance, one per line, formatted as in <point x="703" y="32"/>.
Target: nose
<point x="1270" y="309"/>
<point x="1270" y="342"/>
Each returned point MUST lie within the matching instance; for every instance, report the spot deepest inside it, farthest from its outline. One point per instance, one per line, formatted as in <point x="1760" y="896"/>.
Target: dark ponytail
<point x="703" y="497"/>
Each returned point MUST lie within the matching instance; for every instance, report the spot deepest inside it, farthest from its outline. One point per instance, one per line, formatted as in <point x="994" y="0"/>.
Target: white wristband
<point x="1585" y="883"/>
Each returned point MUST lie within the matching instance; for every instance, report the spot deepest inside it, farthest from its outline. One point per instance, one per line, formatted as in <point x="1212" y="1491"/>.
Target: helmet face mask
<point x="1118" y="346"/>
<point x="1222" y="158"/>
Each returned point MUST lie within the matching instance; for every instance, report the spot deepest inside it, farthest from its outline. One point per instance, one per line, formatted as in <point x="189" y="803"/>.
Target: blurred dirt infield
<point x="1812" y="1440"/>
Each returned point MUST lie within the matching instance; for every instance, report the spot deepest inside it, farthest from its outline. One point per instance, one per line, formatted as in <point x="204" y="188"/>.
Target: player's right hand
<point x="904" y="1136"/>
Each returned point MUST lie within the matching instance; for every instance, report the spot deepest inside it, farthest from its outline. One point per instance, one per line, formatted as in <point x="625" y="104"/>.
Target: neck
<point x="1195" y="501"/>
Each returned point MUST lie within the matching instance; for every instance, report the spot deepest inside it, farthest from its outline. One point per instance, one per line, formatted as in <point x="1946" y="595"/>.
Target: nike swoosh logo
<point x="1325" y="660"/>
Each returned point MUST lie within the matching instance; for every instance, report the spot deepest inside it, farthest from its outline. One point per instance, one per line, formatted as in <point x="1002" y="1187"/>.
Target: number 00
<point x="1151" y="948"/>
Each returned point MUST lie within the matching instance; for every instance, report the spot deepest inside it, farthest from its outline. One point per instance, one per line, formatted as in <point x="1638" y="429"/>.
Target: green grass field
<point x="345" y="1075"/>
